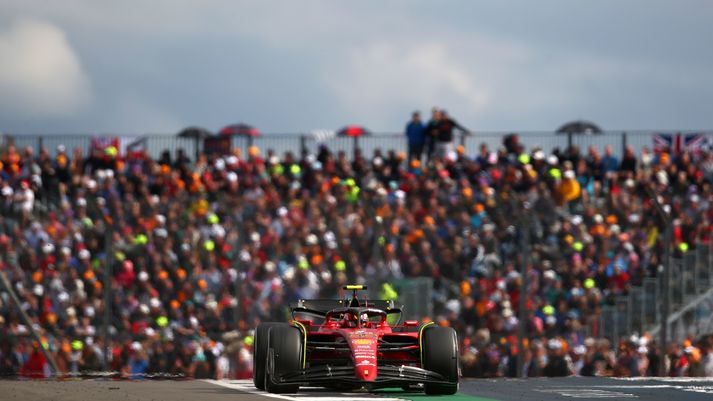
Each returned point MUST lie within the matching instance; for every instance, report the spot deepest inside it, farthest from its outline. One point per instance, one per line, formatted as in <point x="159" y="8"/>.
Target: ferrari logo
<point x="366" y="372"/>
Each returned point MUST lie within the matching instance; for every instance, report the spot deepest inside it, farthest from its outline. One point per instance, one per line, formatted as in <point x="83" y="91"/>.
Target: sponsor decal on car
<point x="361" y="334"/>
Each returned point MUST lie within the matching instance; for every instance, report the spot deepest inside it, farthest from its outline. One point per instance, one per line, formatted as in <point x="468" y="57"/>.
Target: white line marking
<point x="242" y="385"/>
<point x="583" y="392"/>
<point x="574" y="392"/>
<point x="637" y="386"/>
<point x="665" y="379"/>
<point x="248" y="387"/>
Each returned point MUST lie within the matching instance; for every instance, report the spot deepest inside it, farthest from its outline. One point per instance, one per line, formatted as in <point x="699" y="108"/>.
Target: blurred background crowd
<point x="201" y="251"/>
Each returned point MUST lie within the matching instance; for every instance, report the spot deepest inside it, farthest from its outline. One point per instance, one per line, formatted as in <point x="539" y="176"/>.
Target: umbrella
<point x="353" y="131"/>
<point x="579" y="127"/>
<point x="198" y="134"/>
<point x="194" y="132"/>
<point x="240" y="130"/>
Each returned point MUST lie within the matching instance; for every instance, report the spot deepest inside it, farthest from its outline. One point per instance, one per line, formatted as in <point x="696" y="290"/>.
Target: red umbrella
<point x="240" y="130"/>
<point x="353" y="131"/>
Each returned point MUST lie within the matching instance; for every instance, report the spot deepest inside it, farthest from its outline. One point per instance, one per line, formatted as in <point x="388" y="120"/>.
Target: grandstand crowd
<point x="203" y="250"/>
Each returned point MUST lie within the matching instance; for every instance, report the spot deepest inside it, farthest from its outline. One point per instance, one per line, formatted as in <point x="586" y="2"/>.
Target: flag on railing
<point x="677" y="143"/>
<point x="321" y="135"/>
<point x="134" y="148"/>
<point x="694" y="143"/>
<point x="662" y="142"/>
<point x="101" y="143"/>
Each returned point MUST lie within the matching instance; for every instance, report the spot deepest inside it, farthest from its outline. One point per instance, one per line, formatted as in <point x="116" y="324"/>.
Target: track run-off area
<point x="545" y="389"/>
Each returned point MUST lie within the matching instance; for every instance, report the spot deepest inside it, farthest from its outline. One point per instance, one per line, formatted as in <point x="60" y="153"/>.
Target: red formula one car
<point x="353" y="346"/>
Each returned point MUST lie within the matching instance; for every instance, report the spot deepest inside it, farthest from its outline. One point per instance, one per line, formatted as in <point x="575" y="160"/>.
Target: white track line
<point x="248" y="387"/>
<point x="665" y="379"/>
<point x="577" y="392"/>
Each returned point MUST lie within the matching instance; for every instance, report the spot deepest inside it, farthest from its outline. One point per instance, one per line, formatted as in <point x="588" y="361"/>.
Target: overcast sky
<point x="134" y="67"/>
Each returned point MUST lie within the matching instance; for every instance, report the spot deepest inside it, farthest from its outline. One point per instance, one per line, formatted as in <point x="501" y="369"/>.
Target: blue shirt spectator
<point x="609" y="161"/>
<point x="416" y="135"/>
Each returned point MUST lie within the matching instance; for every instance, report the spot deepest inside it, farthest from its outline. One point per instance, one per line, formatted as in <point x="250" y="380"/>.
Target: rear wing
<point x="321" y="307"/>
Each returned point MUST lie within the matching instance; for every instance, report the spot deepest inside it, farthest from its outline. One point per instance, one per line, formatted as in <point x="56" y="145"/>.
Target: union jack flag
<point x="677" y="143"/>
<point x="663" y="142"/>
<point x="694" y="143"/>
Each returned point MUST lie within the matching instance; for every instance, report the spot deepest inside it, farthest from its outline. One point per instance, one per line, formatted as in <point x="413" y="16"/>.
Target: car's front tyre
<point x="440" y="355"/>
<point x="284" y="355"/>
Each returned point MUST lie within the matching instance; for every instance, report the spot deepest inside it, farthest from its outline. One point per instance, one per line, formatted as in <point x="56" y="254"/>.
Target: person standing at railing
<point x="444" y="138"/>
<point x="431" y="132"/>
<point x="416" y="135"/>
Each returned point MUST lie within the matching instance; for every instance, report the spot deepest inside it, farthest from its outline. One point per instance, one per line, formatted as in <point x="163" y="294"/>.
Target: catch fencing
<point x="691" y="298"/>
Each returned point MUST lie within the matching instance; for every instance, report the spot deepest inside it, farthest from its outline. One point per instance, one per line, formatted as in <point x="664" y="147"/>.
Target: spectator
<point x="290" y="227"/>
<point x="432" y="131"/>
<point x="444" y="137"/>
<point x="416" y="136"/>
<point x="558" y="363"/>
<point x="610" y="163"/>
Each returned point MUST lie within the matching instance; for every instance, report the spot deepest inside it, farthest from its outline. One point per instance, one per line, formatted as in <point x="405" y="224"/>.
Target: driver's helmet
<point x="350" y="318"/>
<point x="364" y="318"/>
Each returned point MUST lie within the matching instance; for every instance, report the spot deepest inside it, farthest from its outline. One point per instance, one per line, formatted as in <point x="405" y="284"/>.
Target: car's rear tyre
<point x="440" y="355"/>
<point x="260" y="353"/>
<point x="284" y="355"/>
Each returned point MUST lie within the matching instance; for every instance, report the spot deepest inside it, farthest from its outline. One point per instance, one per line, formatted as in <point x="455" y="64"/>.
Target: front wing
<point x="387" y="376"/>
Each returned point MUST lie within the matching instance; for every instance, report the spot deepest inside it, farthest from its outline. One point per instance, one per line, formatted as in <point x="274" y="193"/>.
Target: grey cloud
<point x="291" y="67"/>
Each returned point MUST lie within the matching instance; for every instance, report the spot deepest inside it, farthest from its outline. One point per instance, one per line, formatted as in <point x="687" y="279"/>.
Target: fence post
<point x="629" y="314"/>
<point x="197" y="152"/>
<point x="694" y="278"/>
<point x="523" y="219"/>
<point x="303" y="145"/>
<point x="569" y="140"/>
<point x="623" y="143"/>
<point x="709" y="262"/>
<point x="682" y="283"/>
<point x="108" y="276"/>
<point x="602" y="324"/>
<point x="40" y="143"/>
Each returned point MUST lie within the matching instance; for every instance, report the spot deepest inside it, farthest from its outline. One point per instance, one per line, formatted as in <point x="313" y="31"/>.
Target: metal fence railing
<point x="691" y="294"/>
<point x="155" y="144"/>
<point x="416" y="294"/>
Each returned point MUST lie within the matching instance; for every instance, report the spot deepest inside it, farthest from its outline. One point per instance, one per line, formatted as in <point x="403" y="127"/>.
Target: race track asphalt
<point x="578" y="388"/>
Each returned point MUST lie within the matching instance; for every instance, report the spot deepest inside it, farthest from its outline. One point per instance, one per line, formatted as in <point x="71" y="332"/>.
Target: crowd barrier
<point x="691" y="301"/>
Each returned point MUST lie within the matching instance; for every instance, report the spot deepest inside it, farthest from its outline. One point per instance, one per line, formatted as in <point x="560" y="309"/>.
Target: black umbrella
<point x="579" y="127"/>
<point x="198" y="134"/>
<point x="194" y="132"/>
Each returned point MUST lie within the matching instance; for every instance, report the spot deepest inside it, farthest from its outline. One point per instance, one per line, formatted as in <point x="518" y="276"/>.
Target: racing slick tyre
<point x="284" y="355"/>
<point x="260" y="353"/>
<point x="440" y="355"/>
